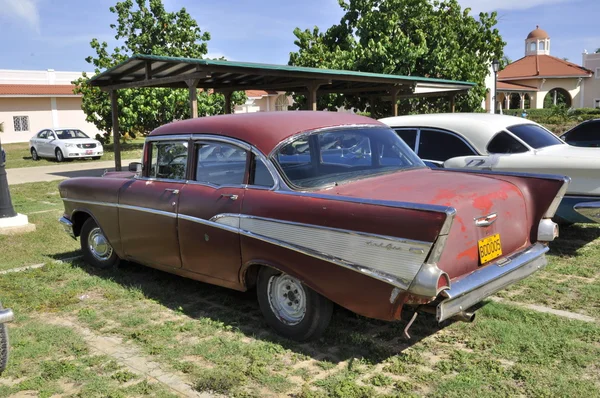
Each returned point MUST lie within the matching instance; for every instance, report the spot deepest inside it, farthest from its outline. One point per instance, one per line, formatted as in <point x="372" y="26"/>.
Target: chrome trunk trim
<point x="475" y="287"/>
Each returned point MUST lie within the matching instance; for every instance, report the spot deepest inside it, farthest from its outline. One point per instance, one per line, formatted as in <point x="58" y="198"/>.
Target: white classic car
<point x="64" y="144"/>
<point x="506" y="143"/>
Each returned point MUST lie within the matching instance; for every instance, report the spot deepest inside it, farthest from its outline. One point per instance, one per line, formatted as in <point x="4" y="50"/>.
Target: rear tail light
<point x="443" y="283"/>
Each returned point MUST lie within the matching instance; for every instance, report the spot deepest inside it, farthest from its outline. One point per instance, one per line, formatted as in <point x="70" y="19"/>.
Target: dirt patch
<point x="548" y="310"/>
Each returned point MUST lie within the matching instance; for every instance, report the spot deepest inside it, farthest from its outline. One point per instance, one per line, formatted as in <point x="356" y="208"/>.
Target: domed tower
<point x="537" y="42"/>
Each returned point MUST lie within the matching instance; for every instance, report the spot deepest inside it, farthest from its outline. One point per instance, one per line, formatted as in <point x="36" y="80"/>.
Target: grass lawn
<point x="18" y="155"/>
<point x="217" y="341"/>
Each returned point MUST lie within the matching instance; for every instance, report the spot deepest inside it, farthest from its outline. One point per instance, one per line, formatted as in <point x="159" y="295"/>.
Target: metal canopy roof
<point x="157" y="71"/>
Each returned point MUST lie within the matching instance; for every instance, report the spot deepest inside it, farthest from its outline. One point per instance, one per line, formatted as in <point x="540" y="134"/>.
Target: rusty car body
<point x="315" y="208"/>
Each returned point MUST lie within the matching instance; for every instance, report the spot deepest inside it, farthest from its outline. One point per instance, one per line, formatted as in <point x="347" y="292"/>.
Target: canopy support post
<point x="115" y="127"/>
<point x="193" y="89"/>
<point x="227" y="95"/>
<point x="452" y="103"/>
<point x="312" y="96"/>
<point x="394" y="93"/>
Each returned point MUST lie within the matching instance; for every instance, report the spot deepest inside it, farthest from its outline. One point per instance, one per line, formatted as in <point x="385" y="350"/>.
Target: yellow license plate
<point x="489" y="248"/>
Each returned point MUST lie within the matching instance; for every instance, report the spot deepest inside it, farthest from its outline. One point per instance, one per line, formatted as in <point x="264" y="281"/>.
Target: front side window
<point x="505" y="143"/>
<point x="341" y="155"/>
<point x="584" y="132"/>
<point x="440" y="146"/>
<point x="168" y="160"/>
<point x="220" y="164"/>
<point x="70" y="134"/>
<point x="43" y="135"/>
<point x="21" y="123"/>
<point x="535" y="136"/>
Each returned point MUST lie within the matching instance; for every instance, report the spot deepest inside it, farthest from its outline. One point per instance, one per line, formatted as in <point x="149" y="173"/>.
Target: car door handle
<point x="229" y="195"/>
<point x="173" y="190"/>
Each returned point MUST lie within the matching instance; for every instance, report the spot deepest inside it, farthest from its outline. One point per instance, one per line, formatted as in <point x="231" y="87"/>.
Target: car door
<point x="217" y="188"/>
<point x="148" y="205"/>
<point x="41" y="143"/>
<point x="51" y="143"/>
<point x="437" y="146"/>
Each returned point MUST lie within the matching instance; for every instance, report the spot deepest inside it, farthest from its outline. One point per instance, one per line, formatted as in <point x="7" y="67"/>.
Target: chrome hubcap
<point x="287" y="299"/>
<point x="98" y="245"/>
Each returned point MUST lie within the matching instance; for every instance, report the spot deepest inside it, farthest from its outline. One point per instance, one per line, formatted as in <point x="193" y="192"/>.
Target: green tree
<point x="145" y="27"/>
<point x="404" y="37"/>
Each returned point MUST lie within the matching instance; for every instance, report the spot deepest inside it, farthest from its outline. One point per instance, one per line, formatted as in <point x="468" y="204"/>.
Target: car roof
<point x="264" y="130"/>
<point x="477" y="128"/>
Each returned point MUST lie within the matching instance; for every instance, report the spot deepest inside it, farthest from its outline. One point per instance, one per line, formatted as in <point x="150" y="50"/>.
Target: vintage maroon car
<point x="315" y="208"/>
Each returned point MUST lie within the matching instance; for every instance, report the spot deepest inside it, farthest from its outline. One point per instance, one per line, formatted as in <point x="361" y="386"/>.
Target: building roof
<point x="264" y="130"/>
<point x="174" y="72"/>
<point x="542" y="66"/>
<point x="538" y="33"/>
<point x="259" y="93"/>
<point x="506" y="86"/>
<point x="477" y="128"/>
<point x="49" y="90"/>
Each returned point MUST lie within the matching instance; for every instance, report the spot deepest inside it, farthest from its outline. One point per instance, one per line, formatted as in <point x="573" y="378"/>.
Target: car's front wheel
<point x="34" y="154"/>
<point x="290" y="307"/>
<point x="96" y="249"/>
<point x="59" y="155"/>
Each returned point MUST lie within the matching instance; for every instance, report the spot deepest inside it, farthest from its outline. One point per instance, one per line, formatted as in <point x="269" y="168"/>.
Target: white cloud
<point x="26" y="10"/>
<point x="494" y="5"/>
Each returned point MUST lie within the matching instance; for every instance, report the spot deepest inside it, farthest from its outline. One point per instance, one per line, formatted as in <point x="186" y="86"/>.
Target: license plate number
<point x="489" y="248"/>
<point x="89" y="152"/>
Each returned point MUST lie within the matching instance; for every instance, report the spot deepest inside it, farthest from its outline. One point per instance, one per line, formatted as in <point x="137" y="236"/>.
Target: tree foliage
<point x="145" y="27"/>
<point x="404" y="37"/>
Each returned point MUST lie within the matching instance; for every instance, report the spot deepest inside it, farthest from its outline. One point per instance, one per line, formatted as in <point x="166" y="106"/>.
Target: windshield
<point x="70" y="134"/>
<point x="535" y="136"/>
<point x="335" y="156"/>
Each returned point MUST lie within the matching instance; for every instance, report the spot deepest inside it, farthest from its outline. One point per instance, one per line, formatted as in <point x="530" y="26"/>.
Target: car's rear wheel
<point x="34" y="154"/>
<point x="59" y="155"/>
<point x="290" y="307"/>
<point x="96" y="249"/>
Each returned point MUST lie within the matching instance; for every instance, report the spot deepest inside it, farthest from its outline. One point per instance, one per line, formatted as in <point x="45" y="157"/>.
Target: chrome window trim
<point x="172" y="137"/>
<point x="154" y="179"/>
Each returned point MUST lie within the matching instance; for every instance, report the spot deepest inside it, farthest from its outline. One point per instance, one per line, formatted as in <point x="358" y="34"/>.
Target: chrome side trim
<point x="90" y="202"/>
<point x="590" y="210"/>
<point x="475" y="287"/>
<point x="67" y="225"/>
<point x="385" y="203"/>
<point x="384" y="255"/>
<point x="148" y="210"/>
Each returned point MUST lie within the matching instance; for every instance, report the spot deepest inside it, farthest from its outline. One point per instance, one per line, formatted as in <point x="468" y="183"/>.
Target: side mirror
<point x="135" y="166"/>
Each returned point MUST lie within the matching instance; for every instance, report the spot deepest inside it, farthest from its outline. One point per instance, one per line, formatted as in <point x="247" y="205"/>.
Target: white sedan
<point x="506" y="143"/>
<point x="64" y="144"/>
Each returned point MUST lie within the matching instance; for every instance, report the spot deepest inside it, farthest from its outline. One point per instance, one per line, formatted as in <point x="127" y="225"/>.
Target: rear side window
<point x="260" y="175"/>
<point x="168" y="160"/>
<point x="535" y="136"/>
<point x="408" y="136"/>
<point x="441" y="146"/>
<point x="221" y="164"/>
<point x="43" y="134"/>
<point x="505" y="143"/>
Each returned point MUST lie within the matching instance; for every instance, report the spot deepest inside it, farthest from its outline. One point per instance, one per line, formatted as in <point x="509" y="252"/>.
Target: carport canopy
<point x="229" y="76"/>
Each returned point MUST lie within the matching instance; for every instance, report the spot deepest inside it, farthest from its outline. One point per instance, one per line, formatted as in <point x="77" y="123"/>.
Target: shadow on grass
<point x="574" y="237"/>
<point x="348" y="335"/>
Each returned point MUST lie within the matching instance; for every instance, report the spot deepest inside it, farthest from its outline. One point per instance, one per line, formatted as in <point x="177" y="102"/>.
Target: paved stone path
<point x="60" y="172"/>
<point x="129" y="356"/>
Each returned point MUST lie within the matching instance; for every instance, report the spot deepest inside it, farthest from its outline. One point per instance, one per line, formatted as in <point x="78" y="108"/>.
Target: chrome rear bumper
<point x="475" y="287"/>
<point x="590" y="210"/>
<point x="6" y="315"/>
<point x="68" y="226"/>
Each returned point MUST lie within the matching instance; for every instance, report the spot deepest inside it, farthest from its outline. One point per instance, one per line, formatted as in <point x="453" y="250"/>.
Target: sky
<point x="55" y="34"/>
